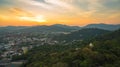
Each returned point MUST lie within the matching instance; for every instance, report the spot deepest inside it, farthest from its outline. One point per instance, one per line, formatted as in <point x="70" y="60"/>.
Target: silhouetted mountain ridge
<point x="104" y="26"/>
<point x="55" y="28"/>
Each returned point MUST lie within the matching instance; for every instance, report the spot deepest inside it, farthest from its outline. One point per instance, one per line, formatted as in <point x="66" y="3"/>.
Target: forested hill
<point x="83" y="34"/>
<point x="109" y="36"/>
<point x="103" y="52"/>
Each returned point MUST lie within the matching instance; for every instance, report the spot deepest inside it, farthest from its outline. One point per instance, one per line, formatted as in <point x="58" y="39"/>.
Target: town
<point x="18" y="44"/>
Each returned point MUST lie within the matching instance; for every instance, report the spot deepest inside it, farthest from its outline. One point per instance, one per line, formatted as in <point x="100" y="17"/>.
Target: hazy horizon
<point x="58" y="24"/>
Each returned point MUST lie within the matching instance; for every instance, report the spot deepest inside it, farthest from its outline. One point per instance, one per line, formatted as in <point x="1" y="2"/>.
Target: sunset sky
<point x="48" y="12"/>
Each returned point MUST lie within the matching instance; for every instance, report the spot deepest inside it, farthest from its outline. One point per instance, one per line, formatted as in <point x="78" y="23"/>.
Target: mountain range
<point x="56" y="28"/>
<point x="104" y="26"/>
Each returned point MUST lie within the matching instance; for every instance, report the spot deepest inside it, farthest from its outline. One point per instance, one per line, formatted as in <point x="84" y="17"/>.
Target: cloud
<point x="36" y="3"/>
<point x="64" y="9"/>
<point x="60" y="3"/>
<point x="20" y="12"/>
<point x="56" y="5"/>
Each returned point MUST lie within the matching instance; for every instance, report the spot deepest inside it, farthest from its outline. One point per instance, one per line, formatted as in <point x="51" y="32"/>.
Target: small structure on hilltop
<point x="91" y="45"/>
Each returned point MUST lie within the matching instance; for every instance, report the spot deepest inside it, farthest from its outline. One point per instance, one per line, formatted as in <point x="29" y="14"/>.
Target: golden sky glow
<point x="48" y="12"/>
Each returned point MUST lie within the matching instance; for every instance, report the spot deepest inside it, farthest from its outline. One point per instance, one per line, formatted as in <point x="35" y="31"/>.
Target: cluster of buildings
<point x="18" y="45"/>
<point x="11" y="50"/>
<point x="8" y="52"/>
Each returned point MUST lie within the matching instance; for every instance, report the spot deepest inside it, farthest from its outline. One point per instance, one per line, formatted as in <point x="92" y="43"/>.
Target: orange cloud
<point x="20" y="12"/>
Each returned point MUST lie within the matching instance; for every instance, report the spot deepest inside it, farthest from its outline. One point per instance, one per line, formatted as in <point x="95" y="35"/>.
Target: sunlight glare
<point x="35" y="19"/>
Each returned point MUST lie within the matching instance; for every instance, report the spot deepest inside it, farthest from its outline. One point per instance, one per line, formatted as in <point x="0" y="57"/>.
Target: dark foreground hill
<point x="103" y="52"/>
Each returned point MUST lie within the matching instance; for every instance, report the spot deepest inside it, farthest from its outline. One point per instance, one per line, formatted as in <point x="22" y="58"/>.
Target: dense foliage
<point x="105" y="52"/>
<point x="83" y="34"/>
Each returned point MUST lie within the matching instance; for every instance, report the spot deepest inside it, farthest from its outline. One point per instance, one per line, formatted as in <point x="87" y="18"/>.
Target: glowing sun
<point x="39" y="18"/>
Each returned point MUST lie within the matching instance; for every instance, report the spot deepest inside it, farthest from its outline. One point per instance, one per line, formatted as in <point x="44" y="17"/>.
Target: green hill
<point x="104" y="52"/>
<point x="83" y="34"/>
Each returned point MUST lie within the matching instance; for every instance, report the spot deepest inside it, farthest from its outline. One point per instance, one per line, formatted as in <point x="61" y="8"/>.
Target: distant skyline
<point x="49" y="12"/>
